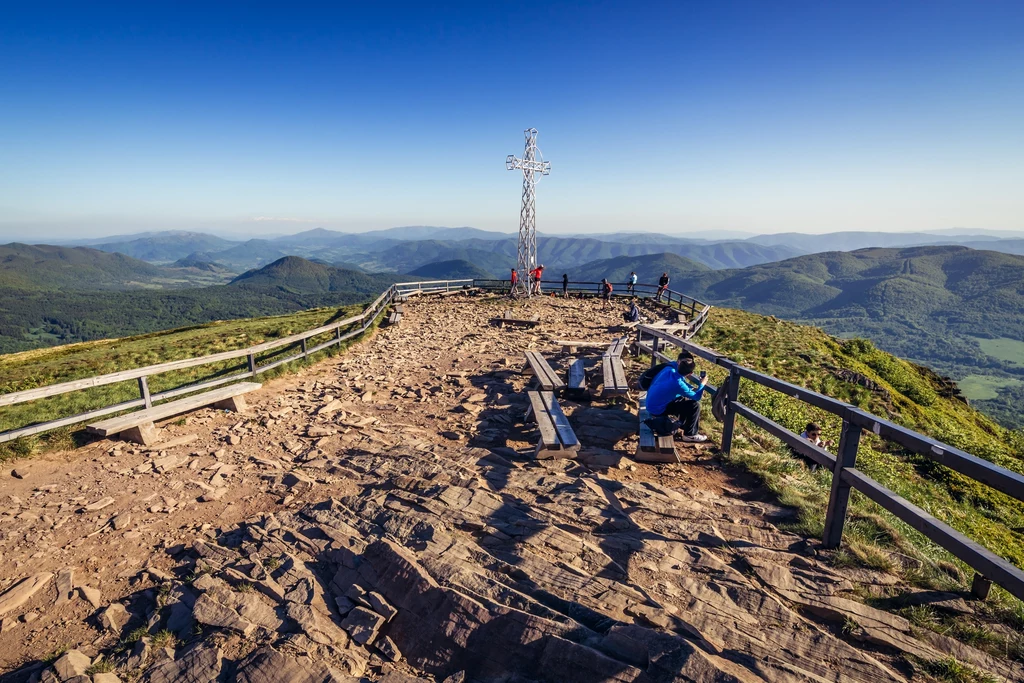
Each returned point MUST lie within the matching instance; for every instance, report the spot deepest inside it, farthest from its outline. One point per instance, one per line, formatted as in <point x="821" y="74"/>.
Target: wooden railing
<point x="343" y="330"/>
<point x="693" y="310"/>
<point x="845" y="475"/>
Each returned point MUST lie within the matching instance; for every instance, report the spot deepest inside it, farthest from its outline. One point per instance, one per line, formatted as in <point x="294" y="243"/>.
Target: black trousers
<point x="688" y="412"/>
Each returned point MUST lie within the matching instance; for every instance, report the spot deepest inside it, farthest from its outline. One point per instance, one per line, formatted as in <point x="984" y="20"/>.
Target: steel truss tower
<point x="531" y="164"/>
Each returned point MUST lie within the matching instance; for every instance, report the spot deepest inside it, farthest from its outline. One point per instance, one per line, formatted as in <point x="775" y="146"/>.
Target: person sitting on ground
<point x="515" y="279"/>
<point x="606" y="292"/>
<point x="812" y="432"/>
<point x="631" y="287"/>
<point x="633" y="314"/>
<point x="662" y="286"/>
<point x="565" y="285"/>
<point x="671" y="395"/>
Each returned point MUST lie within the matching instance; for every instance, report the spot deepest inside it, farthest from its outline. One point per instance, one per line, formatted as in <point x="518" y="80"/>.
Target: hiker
<point x="633" y="314"/>
<point x="535" y="275"/>
<point x="514" y="279"/>
<point x="662" y="286"/>
<point x="812" y="432"/>
<point x="631" y="285"/>
<point x="671" y="395"/>
<point x="565" y="285"/>
<point x="606" y="292"/>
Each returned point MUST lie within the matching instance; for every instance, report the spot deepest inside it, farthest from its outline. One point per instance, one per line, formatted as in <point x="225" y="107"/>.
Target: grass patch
<point x="954" y="671"/>
<point x="1006" y="350"/>
<point x="985" y="387"/>
<point x="42" y="367"/>
<point x="104" y="666"/>
<point x="164" y="638"/>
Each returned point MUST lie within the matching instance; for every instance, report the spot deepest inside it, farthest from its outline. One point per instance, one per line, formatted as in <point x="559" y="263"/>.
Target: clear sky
<point x="679" y="116"/>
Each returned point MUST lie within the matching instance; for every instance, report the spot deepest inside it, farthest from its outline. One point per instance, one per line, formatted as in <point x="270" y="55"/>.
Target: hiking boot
<point x="696" y="438"/>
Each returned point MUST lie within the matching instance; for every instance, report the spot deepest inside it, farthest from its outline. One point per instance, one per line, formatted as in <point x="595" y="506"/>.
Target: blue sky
<point x="677" y="117"/>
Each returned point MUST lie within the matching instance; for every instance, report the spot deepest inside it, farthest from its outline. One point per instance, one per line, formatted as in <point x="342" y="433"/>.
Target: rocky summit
<point x="379" y="517"/>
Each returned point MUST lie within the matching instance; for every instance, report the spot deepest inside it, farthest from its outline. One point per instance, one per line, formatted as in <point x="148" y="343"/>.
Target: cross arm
<point x="513" y="163"/>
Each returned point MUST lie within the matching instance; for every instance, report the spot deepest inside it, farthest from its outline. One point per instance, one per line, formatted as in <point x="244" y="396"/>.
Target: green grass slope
<point x="857" y="372"/>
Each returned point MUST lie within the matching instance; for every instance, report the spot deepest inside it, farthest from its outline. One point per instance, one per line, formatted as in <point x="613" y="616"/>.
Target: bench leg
<point x="146" y="434"/>
<point x="558" y="453"/>
<point x="235" y="403"/>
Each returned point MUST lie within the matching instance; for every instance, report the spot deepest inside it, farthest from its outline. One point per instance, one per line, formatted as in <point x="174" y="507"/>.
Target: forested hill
<point x="647" y="268"/>
<point x="942" y="288"/>
<point x="300" y="276"/>
<point x="43" y="266"/>
<point x="34" y="317"/>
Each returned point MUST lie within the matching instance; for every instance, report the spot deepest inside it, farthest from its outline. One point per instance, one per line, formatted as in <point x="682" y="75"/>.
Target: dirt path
<point x="421" y="428"/>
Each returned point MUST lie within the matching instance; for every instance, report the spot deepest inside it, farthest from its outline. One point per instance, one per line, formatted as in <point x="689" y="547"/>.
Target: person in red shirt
<point x="536" y="274"/>
<point x="515" y="279"/>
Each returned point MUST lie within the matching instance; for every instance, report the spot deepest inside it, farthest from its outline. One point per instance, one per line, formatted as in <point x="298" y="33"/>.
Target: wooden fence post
<point x="144" y="391"/>
<point x="731" y="387"/>
<point x="305" y="353"/>
<point x="252" y="364"/>
<point x="839" y="499"/>
<point x="654" y="351"/>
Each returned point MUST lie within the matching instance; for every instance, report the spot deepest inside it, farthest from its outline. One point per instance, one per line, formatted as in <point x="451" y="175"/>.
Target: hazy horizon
<point x="229" y="234"/>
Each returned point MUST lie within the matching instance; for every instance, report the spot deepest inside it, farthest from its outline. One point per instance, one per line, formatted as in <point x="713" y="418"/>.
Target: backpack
<point x="719" y="405"/>
<point x="647" y="378"/>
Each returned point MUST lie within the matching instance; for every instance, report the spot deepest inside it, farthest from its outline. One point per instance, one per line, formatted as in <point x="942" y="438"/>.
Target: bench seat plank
<point x="653" y="448"/>
<point x="614" y="376"/>
<point x="617" y="347"/>
<point x="116" y="425"/>
<point x="548" y="435"/>
<point x="557" y="439"/>
<point x="577" y="376"/>
<point x="545" y="374"/>
<point x="565" y="434"/>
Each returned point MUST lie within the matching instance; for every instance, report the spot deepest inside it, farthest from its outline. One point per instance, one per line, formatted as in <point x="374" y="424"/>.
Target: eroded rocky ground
<point x="378" y="517"/>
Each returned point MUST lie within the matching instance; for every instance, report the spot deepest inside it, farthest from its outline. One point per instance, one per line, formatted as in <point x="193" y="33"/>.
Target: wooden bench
<point x="653" y="448"/>
<point x="676" y="328"/>
<point x="508" y="318"/>
<point x="577" y="378"/>
<point x="570" y="346"/>
<point x="545" y="374"/>
<point x="557" y="440"/>
<point x="614" y="376"/>
<point x="617" y="347"/>
<point x="138" y="426"/>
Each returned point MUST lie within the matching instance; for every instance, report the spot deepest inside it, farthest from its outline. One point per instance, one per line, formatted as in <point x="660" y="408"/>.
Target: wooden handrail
<point x="990" y="567"/>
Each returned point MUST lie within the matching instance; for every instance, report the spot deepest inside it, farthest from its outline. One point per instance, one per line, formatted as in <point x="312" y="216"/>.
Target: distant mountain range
<point x="24" y="266"/>
<point x="407" y="249"/>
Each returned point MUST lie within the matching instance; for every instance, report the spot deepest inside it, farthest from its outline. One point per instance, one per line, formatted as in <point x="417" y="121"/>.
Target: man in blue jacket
<point x="671" y="394"/>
